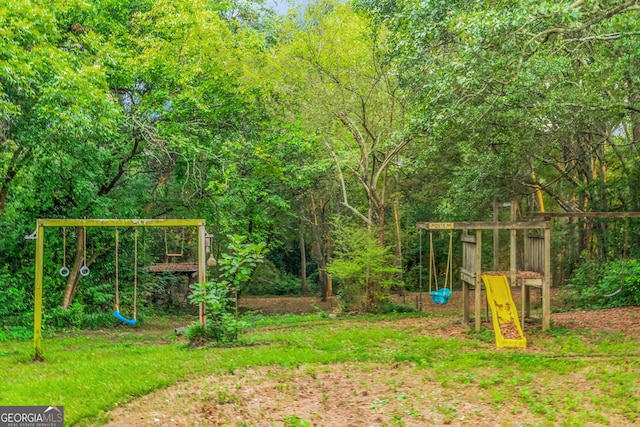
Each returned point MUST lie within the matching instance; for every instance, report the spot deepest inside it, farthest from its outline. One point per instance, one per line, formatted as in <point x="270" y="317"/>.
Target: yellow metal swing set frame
<point x="39" y="235"/>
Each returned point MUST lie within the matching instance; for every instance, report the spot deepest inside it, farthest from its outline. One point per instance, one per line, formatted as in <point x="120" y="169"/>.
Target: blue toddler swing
<point x="116" y="312"/>
<point x="440" y="295"/>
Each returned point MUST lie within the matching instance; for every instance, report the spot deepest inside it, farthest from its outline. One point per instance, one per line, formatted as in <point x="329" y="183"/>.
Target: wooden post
<point x="466" y="318"/>
<point x="37" y="294"/>
<point x="526" y="290"/>
<point x="478" y="278"/>
<point x="496" y="238"/>
<point x="202" y="268"/>
<point x="546" y="284"/>
<point x="513" y="248"/>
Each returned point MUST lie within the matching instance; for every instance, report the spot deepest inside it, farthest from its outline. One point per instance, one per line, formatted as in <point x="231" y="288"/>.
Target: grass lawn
<point x="565" y="378"/>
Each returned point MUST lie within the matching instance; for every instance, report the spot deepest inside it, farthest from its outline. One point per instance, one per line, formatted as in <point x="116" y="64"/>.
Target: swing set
<point x="439" y="294"/>
<point x="537" y="263"/>
<point x="39" y="236"/>
<point x="116" y="311"/>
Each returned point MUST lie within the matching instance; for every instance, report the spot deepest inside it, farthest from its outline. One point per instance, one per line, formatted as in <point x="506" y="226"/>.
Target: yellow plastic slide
<point x="503" y="312"/>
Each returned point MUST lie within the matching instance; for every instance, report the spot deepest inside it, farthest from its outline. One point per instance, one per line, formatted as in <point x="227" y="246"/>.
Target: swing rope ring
<point x="84" y="271"/>
<point x="64" y="271"/>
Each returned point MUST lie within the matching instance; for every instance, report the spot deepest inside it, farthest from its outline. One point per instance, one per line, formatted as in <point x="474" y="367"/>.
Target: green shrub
<point x="98" y="320"/>
<point x="268" y="280"/>
<point x="222" y="323"/>
<point x="58" y="319"/>
<point x="393" y="307"/>
<point x="590" y="284"/>
<point x="21" y="333"/>
<point x="220" y="295"/>
<point x="364" y="268"/>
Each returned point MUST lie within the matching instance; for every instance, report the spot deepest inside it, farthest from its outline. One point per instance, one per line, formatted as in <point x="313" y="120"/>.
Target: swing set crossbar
<point x="39" y="234"/>
<point x="120" y="222"/>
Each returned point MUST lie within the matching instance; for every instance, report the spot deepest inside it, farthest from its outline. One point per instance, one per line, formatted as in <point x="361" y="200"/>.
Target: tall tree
<point x="330" y="68"/>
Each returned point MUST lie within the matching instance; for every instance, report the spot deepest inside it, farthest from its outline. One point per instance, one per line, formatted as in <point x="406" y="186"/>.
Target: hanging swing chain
<point x="433" y="276"/>
<point x="448" y="278"/>
<point x="433" y="268"/>
<point x="84" y="249"/>
<point x="166" y="245"/>
<point x="117" y="300"/>
<point x="431" y="262"/>
<point x="64" y="247"/>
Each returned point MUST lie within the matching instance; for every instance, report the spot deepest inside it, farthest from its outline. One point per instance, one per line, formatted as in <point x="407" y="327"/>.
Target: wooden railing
<point x="468" y="268"/>
<point x="534" y="253"/>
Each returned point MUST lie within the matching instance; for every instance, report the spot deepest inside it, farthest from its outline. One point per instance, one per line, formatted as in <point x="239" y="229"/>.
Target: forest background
<point x="326" y="133"/>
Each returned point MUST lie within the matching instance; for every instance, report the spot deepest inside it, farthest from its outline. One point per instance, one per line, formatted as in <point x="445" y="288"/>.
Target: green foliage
<point x="222" y="324"/>
<point x="217" y="110"/>
<point x="364" y="268"/>
<point x="296" y="421"/>
<point x="58" y="319"/>
<point x="590" y="284"/>
<point x="20" y="333"/>
<point x="268" y="280"/>
<point x="387" y="307"/>
<point x="220" y="296"/>
<point x="13" y="299"/>
<point x="236" y="266"/>
<point x="100" y="320"/>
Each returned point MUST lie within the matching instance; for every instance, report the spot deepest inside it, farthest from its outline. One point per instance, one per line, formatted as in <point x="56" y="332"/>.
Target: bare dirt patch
<point x="365" y="394"/>
<point x="288" y="305"/>
<point x="625" y="320"/>
<point x="340" y="395"/>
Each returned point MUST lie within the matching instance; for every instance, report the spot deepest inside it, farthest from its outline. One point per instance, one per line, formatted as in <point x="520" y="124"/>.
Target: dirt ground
<point x="626" y="319"/>
<point x="352" y="394"/>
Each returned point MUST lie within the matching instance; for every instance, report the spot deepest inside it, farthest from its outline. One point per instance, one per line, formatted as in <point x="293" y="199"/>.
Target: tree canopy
<point x="375" y="114"/>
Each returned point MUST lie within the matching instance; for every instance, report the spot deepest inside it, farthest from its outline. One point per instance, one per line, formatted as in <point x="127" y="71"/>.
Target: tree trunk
<point x="74" y="278"/>
<point x="321" y="249"/>
<point x="396" y="218"/>
<point x="73" y="281"/>
<point x="303" y="263"/>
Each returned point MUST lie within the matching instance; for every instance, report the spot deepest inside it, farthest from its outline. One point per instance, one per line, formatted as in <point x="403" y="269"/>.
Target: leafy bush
<point x="16" y="333"/>
<point x="268" y="280"/>
<point x="98" y="320"/>
<point x="364" y="269"/>
<point x="590" y="284"/>
<point x="13" y="298"/>
<point x="222" y="324"/>
<point x="220" y="295"/>
<point x="58" y="319"/>
<point x="393" y="307"/>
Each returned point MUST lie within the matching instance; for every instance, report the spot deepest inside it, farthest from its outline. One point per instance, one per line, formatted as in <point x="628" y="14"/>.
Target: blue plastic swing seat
<point x="441" y="296"/>
<point x="124" y="319"/>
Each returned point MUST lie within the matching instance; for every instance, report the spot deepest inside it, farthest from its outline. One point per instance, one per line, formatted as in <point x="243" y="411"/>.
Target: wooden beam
<point x="513" y="242"/>
<point x="496" y="238"/>
<point x="120" y="222"/>
<point x="549" y="215"/>
<point x="39" y="237"/>
<point x="202" y="269"/>
<point x="478" y="277"/>
<point x="546" y="286"/>
<point x="37" y="296"/>
<point x="484" y="225"/>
